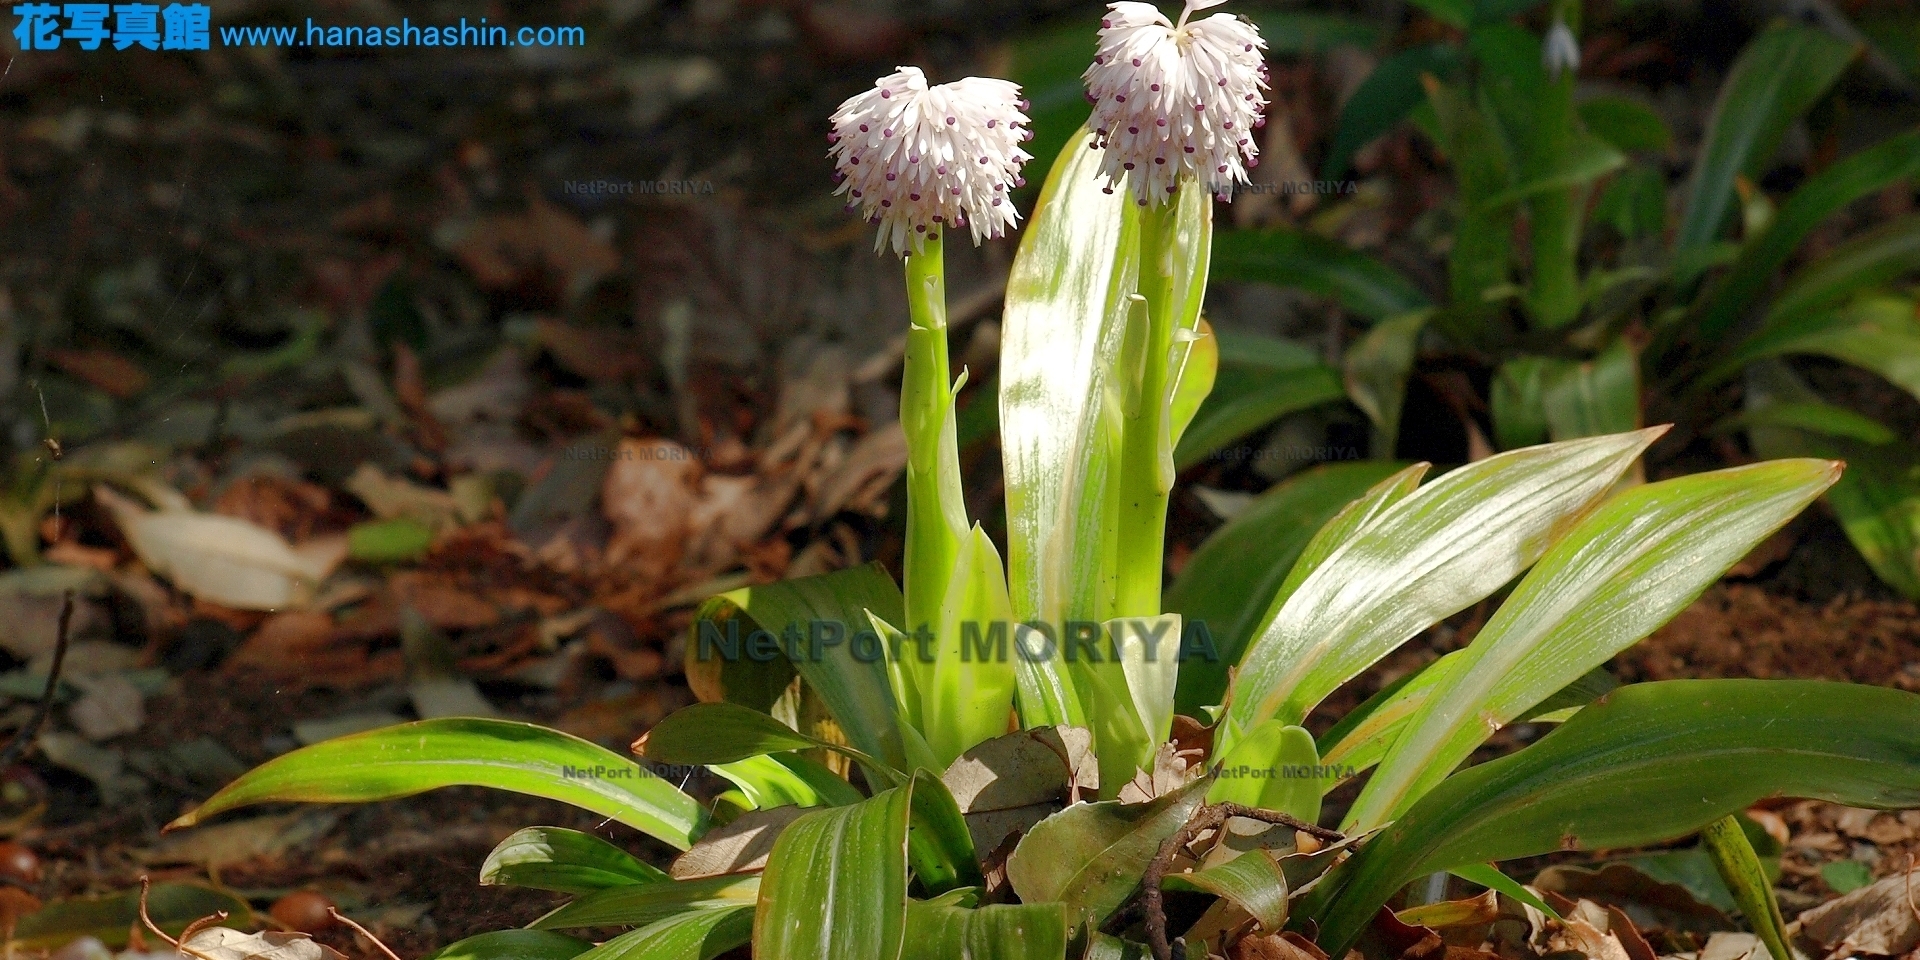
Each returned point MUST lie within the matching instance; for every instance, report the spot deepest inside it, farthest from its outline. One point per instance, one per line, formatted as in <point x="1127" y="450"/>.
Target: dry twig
<point x="25" y="735"/>
<point x="1206" y="818"/>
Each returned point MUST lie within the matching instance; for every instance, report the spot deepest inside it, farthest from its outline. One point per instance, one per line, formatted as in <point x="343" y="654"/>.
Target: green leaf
<point x="1327" y="268"/>
<point x="1244" y="400"/>
<point x="1777" y="78"/>
<point x="1376" y="375"/>
<point x="1066" y="315"/>
<point x="1813" y="417"/>
<point x="836" y="884"/>
<point x="719" y="733"/>
<point x="1385" y="98"/>
<point x="1362" y="737"/>
<point x="1127" y="687"/>
<point x="1091" y="856"/>
<point x="783" y="779"/>
<point x="1105" y="946"/>
<point x="1252" y="880"/>
<point x="1263" y="771"/>
<point x="1627" y="124"/>
<point x="566" y="861"/>
<point x="410" y="758"/>
<point x="171" y="905"/>
<point x="1641" y="558"/>
<point x="1867" y="172"/>
<point x="388" y="541"/>
<point x="1426" y="557"/>
<point x="1594" y="397"/>
<point x="1489" y="876"/>
<point x="1587" y="159"/>
<point x="1726" y="841"/>
<point x="1196" y="368"/>
<point x="1881" y="334"/>
<point x="1650" y="763"/>
<point x="1846" y="876"/>
<point x="1875" y="258"/>
<point x="1634" y="203"/>
<point x="1483" y="238"/>
<point x="967" y="694"/>
<point x="649" y="903"/>
<point x="1518" y="405"/>
<point x="513" y="945"/>
<point x="940" y="848"/>
<point x="696" y="935"/>
<point x="1030" y="931"/>
<point x="1234" y="576"/>
<point x="854" y="688"/>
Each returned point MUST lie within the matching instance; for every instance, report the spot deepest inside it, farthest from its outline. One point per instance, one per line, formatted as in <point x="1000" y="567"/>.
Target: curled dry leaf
<point x="1878" y="920"/>
<point x="223" y="560"/>
<point x="226" y="943"/>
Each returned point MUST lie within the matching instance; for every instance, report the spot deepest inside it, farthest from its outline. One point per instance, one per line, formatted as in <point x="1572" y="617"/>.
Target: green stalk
<point x="1733" y="855"/>
<point x="1146" y="465"/>
<point x="936" y="510"/>
<point x="1555" y="214"/>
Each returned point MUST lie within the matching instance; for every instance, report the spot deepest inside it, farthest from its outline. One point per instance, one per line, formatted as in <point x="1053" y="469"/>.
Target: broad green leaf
<point x="1148" y="649"/>
<point x="1875" y="258"/>
<point x="171" y="905"/>
<point x="1244" y="400"/>
<point x="826" y="618"/>
<point x="1385" y="98"/>
<point x="1253" y="881"/>
<point x="696" y="935"/>
<point x="1615" y="578"/>
<point x="1780" y="74"/>
<point x="410" y="758"/>
<point x="1306" y="261"/>
<point x="1518" y="406"/>
<point x="1627" y="124"/>
<point x="1881" y="334"/>
<point x="939" y="848"/>
<point x="1877" y="499"/>
<point x="1594" y="397"/>
<point x="1733" y="855"/>
<point x="1891" y="161"/>
<point x="1231" y="580"/>
<point x="513" y="945"/>
<point x="1813" y="417"/>
<point x="718" y="733"/>
<point x="1651" y="762"/>
<point x="1066" y="315"/>
<point x="566" y="861"/>
<point x="1274" y="767"/>
<point x="1426" y="557"/>
<point x="1030" y="931"/>
<point x="1090" y="856"/>
<point x="782" y="779"/>
<point x="1362" y="737"/>
<point x="1586" y="160"/>
<point x="836" y="884"/>
<point x="648" y="903"/>
<point x="967" y="691"/>
<point x="713" y="677"/>
<point x="1376" y="375"/>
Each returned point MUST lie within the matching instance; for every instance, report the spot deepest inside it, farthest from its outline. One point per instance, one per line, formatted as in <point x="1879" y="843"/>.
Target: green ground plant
<point x="1023" y="760"/>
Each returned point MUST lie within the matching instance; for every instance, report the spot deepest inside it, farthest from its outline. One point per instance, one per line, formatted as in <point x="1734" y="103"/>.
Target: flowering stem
<point x="1146" y="474"/>
<point x="1556" y="214"/>
<point x="936" y="513"/>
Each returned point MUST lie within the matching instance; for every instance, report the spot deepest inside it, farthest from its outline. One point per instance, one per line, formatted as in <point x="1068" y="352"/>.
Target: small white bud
<point x="1560" y="52"/>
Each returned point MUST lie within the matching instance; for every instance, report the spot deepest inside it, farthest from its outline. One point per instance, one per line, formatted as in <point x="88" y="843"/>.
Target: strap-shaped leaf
<point x="1231" y="580"/>
<point x="782" y="779"/>
<point x="1028" y="931"/>
<point x="967" y="692"/>
<point x="1424" y="558"/>
<point x="410" y="758"/>
<point x="825" y="615"/>
<point x="644" y="904"/>
<point x="1252" y="880"/>
<point x="566" y="861"/>
<point x="1650" y="762"/>
<point x="1630" y="567"/>
<point x="1246" y="399"/>
<point x="695" y="935"/>
<point x="1306" y="261"/>
<point x="513" y="945"/>
<point x="1376" y="375"/>
<point x="1776" y="79"/>
<point x="1385" y="98"/>
<point x="718" y="733"/>
<point x="1869" y="171"/>
<point x="836" y="884"/>
<point x="1880" y="334"/>
<point x="1274" y="767"/>
<point x="1593" y="397"/>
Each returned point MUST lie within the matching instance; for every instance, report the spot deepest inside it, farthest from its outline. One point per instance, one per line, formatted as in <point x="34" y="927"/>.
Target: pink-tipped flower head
<point x="1176" y="102"/>
<point x="917" y="159"/>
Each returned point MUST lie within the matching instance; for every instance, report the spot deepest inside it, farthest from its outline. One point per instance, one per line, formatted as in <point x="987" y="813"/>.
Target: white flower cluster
<point x="1175" y="103"/>
<point x="915" y="159"/>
